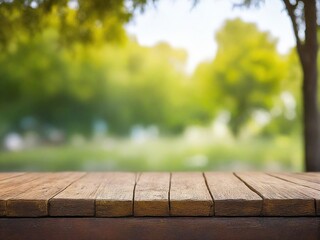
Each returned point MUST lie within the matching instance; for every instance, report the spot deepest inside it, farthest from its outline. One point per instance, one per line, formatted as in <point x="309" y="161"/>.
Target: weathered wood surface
<point x="231" y="196"/>
<point x="291" y="177"/>
<point x="6" y="175"/>
<point x="151" y="196"/>
<point x="280" y="197"/>
<point x="78" y="199"/>
<point x="34" y="202"/>
<point x="114" y="197"/>
<point x="11" y="187"/>
<point x="312" y="177"/>
<point x="304" y="180"/>
<point x="159" y="228"/>
<point x="189" y="195"/>
<point x="124" y="194"/>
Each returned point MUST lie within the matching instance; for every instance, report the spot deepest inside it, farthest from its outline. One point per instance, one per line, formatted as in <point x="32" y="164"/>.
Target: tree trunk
<point x="308" y="57"/>
<point x="311" y="118"/>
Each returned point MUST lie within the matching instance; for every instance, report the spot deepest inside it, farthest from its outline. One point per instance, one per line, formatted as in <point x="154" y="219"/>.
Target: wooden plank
<point x="316" y="174"/>
<point x="34" y="202"/>
<point x="231" y="196"/>
<point x="294" y="178"/>
<point x="151" y="197"/>
<point x="189" y="195"/>
<point x="11" y="187"/>
<point x="312" y="177"/>
<point x="281" y="198"/>
<point x="159" y="228"/>
<point x="5" y="175"/>
<point x="115" y="195"/>
<point x="78" y="198"/>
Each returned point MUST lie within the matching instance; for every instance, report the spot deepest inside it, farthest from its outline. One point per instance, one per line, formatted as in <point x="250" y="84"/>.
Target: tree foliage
<point x="70" y="87"/>
<point x="76" y="20"/>
<point x="245" y="75"/>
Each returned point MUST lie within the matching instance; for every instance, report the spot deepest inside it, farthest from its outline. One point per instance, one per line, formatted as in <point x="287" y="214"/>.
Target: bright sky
<point x="176" y="22"/>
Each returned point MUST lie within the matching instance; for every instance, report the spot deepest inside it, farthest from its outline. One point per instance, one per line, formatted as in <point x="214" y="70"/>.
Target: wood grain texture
<point x="231" y="196"/>
<point x="189" y="195"/>
<point x="312" y="177"/>
<point x="316" y="174"/>
<point x="121" y="194"/>
<point x="34" y="202"/>
<point x="291" y="177"/>
<point x="159" y="228"/>
<point x="114" y="197"/>
<point x="78" y="199"/>
<point x="12" y="187"/>
<point x="281" y="198"/>
<point x="5" y="175"/>
<point x="151" y="196"/>
<point x="294" y="178"/>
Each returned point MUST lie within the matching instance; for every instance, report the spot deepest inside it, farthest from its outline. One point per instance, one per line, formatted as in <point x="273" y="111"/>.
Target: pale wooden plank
<point x="115" y="195"/>
<point x="11" y="187"/>
<point x="151" y="196"/>
<point x="78" y="198"/>
<point x="231" y="196"/>
<point x="189" y="195"/>
<point x="6" y="175"/>
<point x="281" y="198"/>
<point x="34" y="202"/>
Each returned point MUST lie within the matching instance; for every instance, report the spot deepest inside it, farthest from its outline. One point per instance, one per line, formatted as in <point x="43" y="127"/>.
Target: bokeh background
<point x="137" y="100"/>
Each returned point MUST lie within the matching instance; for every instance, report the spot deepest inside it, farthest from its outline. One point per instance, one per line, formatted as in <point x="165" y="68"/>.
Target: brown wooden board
<point x="231" y="196"/>
<point x="280" y="197"/>
<point x="12" y="187"/>
<point x="34" y="202"/>
<point x="189" y="195"/>
<point x="312" y="177"/>
<point x="78" y="199"/>
<point x="5" y="175"/>
<point x="316" y="174"/>
<point x="112" y="194"/>
<point x="114" y="197"/>
<point x="159" y="228"/>
<point x="294" y="178"/>
<point x="303" y="182"/>
<point x="151" y="197"/>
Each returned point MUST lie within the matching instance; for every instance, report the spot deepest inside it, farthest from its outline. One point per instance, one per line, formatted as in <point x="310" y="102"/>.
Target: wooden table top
<point x="124" y="194"/>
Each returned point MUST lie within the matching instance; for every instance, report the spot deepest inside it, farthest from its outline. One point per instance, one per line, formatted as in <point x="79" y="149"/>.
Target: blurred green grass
<point x="163" y="154"/>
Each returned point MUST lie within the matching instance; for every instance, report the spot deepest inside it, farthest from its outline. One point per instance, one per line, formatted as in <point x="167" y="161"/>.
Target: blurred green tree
<point x="303" y="16"/>
<point x="76" y="20"/>
<point x="287" y="111"/>
<point x="242" y="79"/>
<point x="69" y="87"/>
